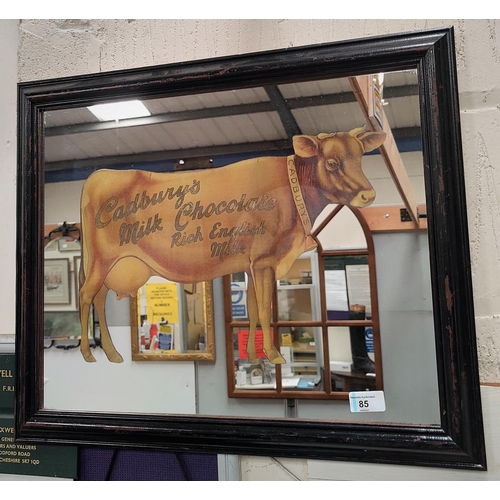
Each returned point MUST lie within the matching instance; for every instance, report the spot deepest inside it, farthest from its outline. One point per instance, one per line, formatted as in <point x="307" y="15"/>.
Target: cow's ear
<point x="305" y="146"/>
<point x="371" y="140"/>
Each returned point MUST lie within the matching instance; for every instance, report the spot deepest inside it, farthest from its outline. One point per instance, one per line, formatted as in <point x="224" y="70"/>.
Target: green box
<point x="7" y="364"/>
<point x="28" y="458"/>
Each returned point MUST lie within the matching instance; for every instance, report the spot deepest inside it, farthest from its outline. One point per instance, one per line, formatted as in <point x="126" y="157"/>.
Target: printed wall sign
<point x="238" y="300"/>
<point x="28" y="459"/>
<point x="162" y="302"/>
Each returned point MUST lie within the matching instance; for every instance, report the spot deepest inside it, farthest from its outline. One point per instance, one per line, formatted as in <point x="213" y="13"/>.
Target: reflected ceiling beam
<point x="281" y="106"/>
<point x="173" y="117"/>
<point x="222" y="111"/>
<point x="362" y="89"/>
<point x="383" y="219"/>
<point x="270" y="147"/>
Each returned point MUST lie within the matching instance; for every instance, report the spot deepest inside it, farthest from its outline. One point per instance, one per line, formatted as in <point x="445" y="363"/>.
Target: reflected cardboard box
<point x="340" y="366"/>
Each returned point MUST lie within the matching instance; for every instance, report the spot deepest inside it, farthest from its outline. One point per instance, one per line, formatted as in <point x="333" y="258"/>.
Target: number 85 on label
<point x="366" y="401"/>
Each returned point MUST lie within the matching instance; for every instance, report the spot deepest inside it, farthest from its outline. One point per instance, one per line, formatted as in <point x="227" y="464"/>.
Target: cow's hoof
<point x="115" y="358"/>
<point x="89" y="358"/>
<point x="275" y="357"/>
<point x="253" y="359"/>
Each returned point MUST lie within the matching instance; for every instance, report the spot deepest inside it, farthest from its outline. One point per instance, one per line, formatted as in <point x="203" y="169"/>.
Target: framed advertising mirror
<point x="237" y="135"/>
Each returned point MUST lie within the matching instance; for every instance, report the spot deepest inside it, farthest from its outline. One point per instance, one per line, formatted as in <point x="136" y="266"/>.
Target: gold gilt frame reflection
<point x="208" y="354"/>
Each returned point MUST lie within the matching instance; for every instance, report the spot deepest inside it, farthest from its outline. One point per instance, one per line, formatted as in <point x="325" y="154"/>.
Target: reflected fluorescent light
<point x="119" y="110"/>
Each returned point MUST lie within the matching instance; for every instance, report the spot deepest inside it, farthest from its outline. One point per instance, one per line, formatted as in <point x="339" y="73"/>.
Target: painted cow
<point x="254" y="216"/>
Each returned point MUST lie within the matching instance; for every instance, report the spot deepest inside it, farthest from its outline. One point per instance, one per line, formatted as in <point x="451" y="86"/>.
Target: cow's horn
<point x="325" y="136"/>
<point x="356" y="131"/>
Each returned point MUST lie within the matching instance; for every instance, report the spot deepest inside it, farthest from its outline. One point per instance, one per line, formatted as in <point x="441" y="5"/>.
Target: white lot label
<point x="366" y="401"/>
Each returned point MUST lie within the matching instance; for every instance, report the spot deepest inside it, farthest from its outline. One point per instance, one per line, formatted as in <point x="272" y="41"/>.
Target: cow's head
<point x="337" y="163"/>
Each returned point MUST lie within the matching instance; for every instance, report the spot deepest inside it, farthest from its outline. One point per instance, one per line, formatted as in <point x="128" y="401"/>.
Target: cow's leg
<point x="84" y="321"/>
<point x="264" y="280"/>
<point x="88" y="290"/>
<point x="106" y="343"/>
<point x="253" y="316"/>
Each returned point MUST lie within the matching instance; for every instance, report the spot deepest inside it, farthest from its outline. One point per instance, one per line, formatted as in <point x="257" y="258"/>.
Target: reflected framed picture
<point x="68" y="244"/>
<point x="65" y="325"/>
<point x="60" y="325"/>
<point x="56" y="281"/>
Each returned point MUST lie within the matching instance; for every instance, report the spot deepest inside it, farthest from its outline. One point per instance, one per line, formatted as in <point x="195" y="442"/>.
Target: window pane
<point x="347" y="283"/>
<point x="342" y="232"/>
<point x="352" y="358"/>
<point x="251" y="373"/>
<point x="294" y="303"/>
<point x="301" y="347"/>
<point x="298" y="291"/>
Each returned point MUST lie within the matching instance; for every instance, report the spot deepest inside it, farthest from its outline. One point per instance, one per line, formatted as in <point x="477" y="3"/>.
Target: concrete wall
<point x="8" y="111"/>
<point x="57" y="48"/>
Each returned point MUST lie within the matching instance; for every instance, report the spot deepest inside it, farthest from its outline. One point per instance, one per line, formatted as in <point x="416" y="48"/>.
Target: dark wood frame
<point x="458" y="441"/>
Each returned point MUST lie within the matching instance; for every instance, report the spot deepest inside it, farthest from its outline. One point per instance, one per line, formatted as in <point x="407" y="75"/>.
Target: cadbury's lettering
<point x="180" y="239"/>
<point x="134" y="232"/>
<point x="197" y="211"/>
<point x="297" y="195"/>
<point x="226" y="249"/>
<point x="141" y="202"/>
<point x="244" y="230"/>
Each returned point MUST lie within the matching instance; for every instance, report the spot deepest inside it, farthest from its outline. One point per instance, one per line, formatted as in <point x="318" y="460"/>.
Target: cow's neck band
<point x="298" y="197"/>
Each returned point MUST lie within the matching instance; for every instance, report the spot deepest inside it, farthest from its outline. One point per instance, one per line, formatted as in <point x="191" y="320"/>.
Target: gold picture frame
<point x="190" y="348"/>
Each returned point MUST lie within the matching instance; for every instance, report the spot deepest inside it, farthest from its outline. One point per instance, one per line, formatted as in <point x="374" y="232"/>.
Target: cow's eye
<point x="333" y="165"/>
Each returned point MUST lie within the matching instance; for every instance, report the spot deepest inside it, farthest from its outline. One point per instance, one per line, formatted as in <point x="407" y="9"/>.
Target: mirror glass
<point x="200" y="132"/>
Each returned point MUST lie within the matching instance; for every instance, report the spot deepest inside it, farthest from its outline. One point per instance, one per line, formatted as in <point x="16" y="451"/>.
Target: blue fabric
<point x="138" y="465"/>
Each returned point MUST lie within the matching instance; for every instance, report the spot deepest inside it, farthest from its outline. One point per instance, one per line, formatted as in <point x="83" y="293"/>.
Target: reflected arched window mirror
<point x="325" y="315"/>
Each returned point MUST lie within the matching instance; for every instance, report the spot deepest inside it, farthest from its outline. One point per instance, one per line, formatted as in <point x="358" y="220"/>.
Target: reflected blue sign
<point x="238" y="300"/>
<point x="369" y="339"/>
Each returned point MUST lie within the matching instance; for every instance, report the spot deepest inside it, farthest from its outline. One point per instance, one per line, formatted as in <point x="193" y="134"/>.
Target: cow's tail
<point x="81" y="273"/>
